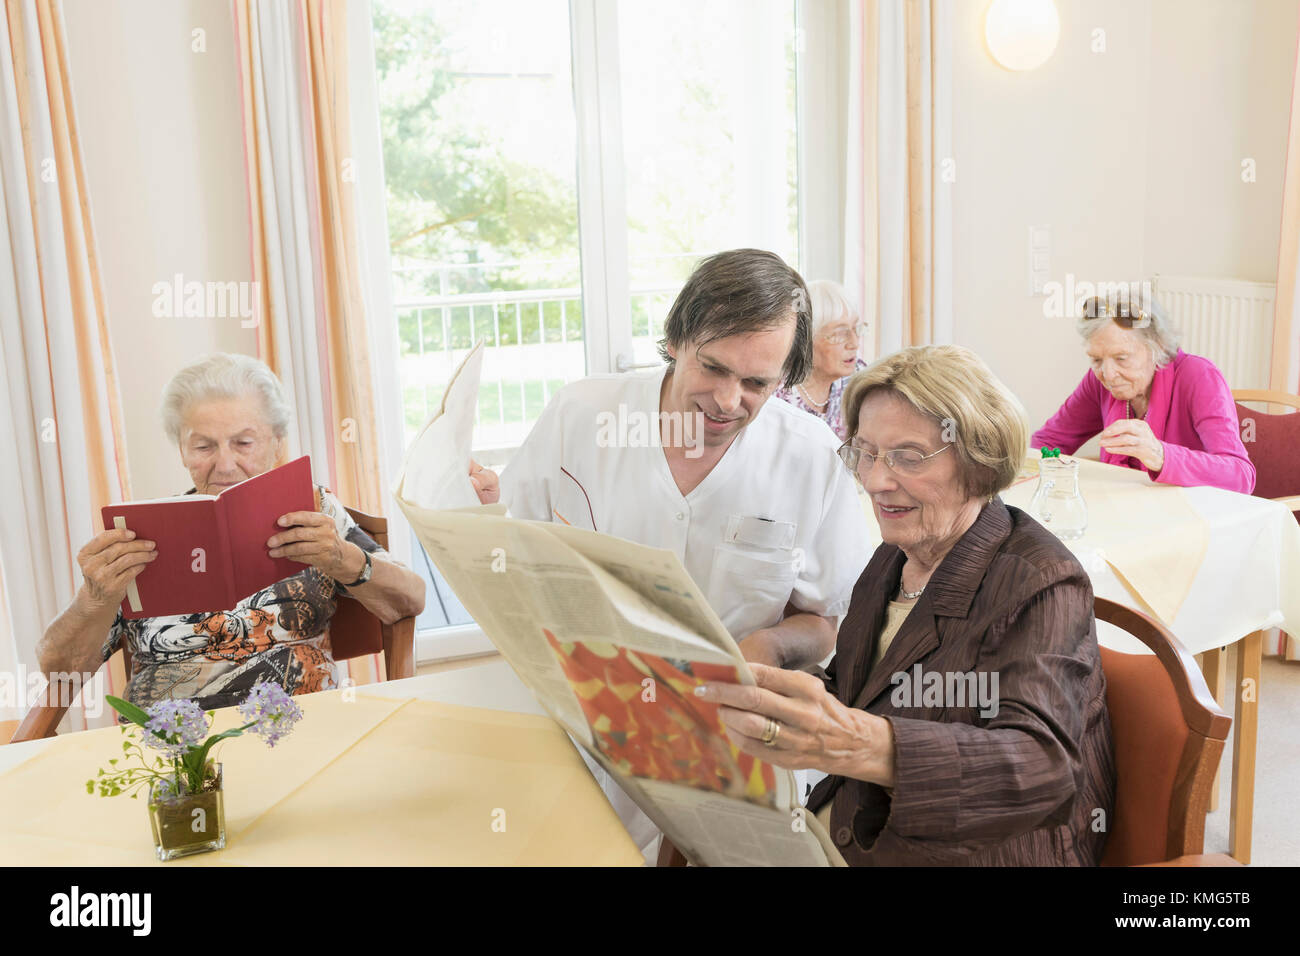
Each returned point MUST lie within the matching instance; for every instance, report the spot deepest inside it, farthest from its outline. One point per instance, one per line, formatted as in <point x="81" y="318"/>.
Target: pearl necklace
<point x="808" y="398"/>
<point x="1129" y="414"/>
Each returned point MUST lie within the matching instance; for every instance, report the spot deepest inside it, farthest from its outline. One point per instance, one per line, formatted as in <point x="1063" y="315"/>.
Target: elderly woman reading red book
<point x="229" y="419"/>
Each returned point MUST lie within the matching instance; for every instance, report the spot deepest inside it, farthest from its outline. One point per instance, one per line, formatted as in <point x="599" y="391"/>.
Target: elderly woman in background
<point x="837" y="335"/>
<point x="228" y="417"/>
<point x="1009" y="760"/>
<point x="1156" y="407"/>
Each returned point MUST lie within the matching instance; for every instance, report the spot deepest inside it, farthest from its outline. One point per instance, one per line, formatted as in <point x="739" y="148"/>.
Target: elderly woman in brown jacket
<point x="963" y="718"/>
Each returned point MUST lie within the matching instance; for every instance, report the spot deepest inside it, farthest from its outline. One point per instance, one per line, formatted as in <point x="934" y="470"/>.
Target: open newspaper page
<point x="504" y="574"/>
<point x="619" y="674"/>
<point x="657" y="575"/>
<point x="436" y="472"/>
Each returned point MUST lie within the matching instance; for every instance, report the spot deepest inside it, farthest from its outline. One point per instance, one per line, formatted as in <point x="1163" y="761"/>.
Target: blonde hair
<point x="829" y="302"/>
<point x="984" y="420"/>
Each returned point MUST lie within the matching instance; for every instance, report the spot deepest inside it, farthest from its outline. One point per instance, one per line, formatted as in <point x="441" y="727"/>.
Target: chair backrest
<point x="1272" y="442"/>
<point x="354" y="631"/>
<point x="1168" y="735"/>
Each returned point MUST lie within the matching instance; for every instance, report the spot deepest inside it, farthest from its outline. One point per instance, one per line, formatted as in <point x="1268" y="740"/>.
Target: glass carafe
<point x="1057" y="503"/>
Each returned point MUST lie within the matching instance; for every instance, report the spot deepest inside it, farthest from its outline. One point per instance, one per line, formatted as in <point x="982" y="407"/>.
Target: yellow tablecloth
<point x="1147" y="532"/>
<point x="362" y="781"/>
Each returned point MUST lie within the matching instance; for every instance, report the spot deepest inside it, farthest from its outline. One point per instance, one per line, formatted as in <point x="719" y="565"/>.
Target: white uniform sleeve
<point x="840" y="548"/>
<point x="527" y="483"/>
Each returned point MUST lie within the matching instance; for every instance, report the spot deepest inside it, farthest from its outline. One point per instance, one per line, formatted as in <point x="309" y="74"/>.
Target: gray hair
<point x="224" y="375"/>
<point x="829" y="302"/>
<point x="1139" y="311"/>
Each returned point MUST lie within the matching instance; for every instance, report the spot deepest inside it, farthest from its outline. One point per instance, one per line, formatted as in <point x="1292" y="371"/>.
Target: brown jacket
<point x="1018" y="788"/>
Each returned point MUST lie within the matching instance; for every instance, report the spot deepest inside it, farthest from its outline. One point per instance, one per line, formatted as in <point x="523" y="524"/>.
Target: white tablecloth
<point x="1248" y="580"/>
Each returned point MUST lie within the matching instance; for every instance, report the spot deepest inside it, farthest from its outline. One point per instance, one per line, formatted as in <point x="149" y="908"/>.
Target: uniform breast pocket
<point x="750" y="590"/>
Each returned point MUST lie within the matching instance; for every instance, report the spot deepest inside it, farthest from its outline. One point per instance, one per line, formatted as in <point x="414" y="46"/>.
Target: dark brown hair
<point x="736" y="293"/>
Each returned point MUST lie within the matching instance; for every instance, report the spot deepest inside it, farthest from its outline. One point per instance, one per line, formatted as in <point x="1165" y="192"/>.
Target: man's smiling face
<point x="728" y="379"/>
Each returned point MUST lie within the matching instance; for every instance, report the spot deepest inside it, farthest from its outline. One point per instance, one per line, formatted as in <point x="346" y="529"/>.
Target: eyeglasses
<point x="845" y="336"/>
<point x="902" y="461"/>
<point x="1123" y="314"/>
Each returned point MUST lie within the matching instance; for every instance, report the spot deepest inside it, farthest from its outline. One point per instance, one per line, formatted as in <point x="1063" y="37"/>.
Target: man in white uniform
<point x="758" y="507"/>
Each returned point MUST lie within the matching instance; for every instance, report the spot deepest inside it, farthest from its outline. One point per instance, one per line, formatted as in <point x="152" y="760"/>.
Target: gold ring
<point x="771" y="732"/>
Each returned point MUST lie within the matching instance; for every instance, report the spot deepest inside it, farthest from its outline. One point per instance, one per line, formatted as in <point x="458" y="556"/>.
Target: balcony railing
<point x="535" y="345"/>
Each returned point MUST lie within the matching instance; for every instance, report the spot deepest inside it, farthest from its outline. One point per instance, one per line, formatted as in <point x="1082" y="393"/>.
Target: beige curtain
<point x="300" y="171"/>
<point x="1285" y="375"/>
<point x="305" y="240"/>
<point x="62" y="437"/>
<point x="1285" y="372"/>
<point x="898" y="223"/>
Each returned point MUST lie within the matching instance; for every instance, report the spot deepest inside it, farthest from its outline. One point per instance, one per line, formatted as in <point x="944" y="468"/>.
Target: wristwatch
<point x="368" y="570"/>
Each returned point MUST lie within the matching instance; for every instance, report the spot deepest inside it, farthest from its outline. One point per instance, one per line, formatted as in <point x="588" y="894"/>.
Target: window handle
<point x="624" y="363"/>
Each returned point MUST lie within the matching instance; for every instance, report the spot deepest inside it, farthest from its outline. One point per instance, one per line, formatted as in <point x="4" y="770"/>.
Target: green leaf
<point x="128" y="710"/>
<point x="90" y="786"/>
<point x="202" y="754"/>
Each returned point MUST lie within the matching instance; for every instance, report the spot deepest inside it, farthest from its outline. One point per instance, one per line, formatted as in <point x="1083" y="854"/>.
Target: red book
<point x="212" y="548"/>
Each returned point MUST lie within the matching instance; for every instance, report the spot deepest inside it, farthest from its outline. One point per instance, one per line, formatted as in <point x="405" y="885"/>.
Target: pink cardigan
<point x="1192" y="412"/>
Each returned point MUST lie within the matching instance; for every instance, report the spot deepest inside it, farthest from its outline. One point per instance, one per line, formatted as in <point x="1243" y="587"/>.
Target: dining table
<point x="1216" y="567"/>
<point x="459" y="767"/>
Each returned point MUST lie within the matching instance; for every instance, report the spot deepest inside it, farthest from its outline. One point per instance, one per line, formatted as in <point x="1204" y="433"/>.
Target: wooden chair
<point x="354" y="632"/>
<point x="1168" y="735"/>
<point x="1275" y="446"/>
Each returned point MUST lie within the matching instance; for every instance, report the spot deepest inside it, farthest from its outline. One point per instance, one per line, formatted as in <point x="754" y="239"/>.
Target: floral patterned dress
<point x="280" y="634"/>
<point x="831" y="414"/>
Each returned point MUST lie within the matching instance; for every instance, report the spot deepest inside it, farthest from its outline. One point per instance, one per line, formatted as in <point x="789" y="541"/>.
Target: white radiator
<point x="1228" y="321"/>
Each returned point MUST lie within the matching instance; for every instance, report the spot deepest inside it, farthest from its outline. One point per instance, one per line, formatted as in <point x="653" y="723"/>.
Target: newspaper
<point x="436" y="472"/>
<point x="611" y="637"/>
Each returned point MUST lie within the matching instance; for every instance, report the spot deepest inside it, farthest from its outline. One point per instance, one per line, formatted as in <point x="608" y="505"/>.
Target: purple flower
<point x="271" y="711"/>
<point x="175" y="726"/>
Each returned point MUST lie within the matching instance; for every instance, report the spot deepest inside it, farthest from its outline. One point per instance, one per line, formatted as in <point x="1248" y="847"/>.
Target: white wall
<point x="162" y="141"/>
<point x="1131" y="157"/>
<point x="1220" y="93"/>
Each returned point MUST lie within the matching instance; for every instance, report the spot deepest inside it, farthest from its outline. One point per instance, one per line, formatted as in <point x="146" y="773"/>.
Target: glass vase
<point x="189" y="823"/>
<point x="1057" y="503"/>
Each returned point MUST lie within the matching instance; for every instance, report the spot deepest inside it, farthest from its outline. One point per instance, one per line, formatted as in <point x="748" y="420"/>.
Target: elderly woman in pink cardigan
<point x="1156" y="407"/>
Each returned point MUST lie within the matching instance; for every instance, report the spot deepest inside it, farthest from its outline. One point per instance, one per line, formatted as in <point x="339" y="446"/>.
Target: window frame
<point x="603" y="243"/>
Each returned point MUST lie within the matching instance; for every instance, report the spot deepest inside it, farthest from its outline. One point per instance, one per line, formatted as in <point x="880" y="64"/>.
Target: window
<point x="553" y="172"/>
